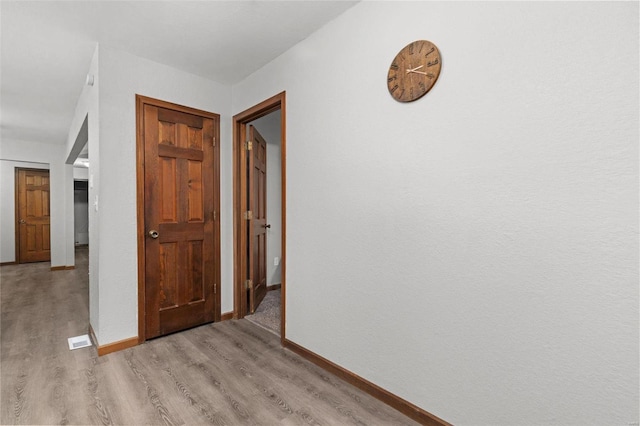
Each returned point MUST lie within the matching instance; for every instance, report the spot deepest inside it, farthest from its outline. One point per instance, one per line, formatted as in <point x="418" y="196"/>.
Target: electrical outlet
<point x="276" y="261"/>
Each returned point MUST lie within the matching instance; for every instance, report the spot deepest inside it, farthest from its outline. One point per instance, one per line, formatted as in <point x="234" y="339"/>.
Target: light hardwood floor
<point x="230" y="373"/>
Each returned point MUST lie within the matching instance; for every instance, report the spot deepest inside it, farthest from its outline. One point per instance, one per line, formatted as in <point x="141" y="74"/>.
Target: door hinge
<point x="214" y="141"/>
<point x="214" y="215"/>
<point x="248" y="284"/>
<point x="215" y="289"/>
<point x="248" y="215"/>
<point x="248" y="145"/>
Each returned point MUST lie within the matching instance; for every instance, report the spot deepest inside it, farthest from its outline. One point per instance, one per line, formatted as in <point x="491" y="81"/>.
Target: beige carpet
<point x="268" y="313"/>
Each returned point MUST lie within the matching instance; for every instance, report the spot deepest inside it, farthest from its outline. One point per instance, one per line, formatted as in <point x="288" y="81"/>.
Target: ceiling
<point x="46" y="47"/>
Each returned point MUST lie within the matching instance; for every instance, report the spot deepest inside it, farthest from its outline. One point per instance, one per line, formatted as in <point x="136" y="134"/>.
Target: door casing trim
<point x="140" y="102"/>
<point x="240" y="121"/>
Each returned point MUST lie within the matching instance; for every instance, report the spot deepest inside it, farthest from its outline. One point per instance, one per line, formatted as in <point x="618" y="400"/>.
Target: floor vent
<point x="79" y="342"/>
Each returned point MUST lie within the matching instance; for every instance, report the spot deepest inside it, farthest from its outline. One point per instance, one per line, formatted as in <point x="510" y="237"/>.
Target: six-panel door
<point x="34" y="241"/>
<point x="180" y="278"/>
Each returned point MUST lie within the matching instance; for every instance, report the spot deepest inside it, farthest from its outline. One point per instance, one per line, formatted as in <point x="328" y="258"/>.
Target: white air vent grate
<point x="79" y="342"/>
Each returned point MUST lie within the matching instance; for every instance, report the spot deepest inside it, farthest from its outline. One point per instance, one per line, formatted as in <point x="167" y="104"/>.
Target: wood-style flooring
<point x="230" y="373"/>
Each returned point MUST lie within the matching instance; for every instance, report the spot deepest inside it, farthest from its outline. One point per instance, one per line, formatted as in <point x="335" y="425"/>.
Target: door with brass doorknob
<point x="181" y="230"/>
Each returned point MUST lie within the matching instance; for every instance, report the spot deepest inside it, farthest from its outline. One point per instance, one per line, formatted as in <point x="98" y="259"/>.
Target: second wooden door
<point x="33" y="217"/>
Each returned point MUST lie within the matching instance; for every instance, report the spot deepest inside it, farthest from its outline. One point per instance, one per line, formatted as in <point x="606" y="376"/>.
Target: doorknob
<point x="153" y="234"/>
<point x="22" y="221"/>
<point x="267" y="226"/>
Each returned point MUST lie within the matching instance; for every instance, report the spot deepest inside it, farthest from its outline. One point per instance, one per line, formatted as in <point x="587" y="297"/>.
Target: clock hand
<point x="414" y="69"/>
<point x="417" y="72"/>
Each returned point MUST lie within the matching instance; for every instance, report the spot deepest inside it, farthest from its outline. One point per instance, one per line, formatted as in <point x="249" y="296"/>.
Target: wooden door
<point x="180" y="223"/>
<point x="33" y="216"/>
<point x="257" y="202"/>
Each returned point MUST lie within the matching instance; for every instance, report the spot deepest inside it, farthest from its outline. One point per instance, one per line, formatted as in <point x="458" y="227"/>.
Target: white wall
<point x="80" y="173"/>
<point x="474" y="252"/>
<point x="269" y="128"/>
<point x="88" y="106"/>
<point x="122" y="76"/>
<point x="48" y="156"/>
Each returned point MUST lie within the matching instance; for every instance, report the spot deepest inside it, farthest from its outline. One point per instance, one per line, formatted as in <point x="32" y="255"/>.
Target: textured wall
<point x="88" y="107"/>
<point x="121" y="77"/>
<point x="475" y="252"/>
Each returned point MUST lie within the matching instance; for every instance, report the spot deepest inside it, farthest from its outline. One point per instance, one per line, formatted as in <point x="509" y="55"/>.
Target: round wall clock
<point x="414" y="71"/>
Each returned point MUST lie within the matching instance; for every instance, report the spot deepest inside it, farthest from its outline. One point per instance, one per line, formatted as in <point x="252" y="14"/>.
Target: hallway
<point x="228" y="373"/>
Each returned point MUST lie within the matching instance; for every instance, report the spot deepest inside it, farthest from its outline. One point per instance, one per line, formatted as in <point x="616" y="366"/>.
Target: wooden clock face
<point x="414" y="71"/>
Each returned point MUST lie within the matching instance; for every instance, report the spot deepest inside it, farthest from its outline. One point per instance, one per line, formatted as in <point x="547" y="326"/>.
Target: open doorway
<point x="81" y="212"/>
<point x="81" y="198"/>
<point x="260" y="220"/>
<point x="81" y="221"/>
<point x="81" y="205"/>
<point x="266" y="185"/>
<point x="82" y="187"/>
